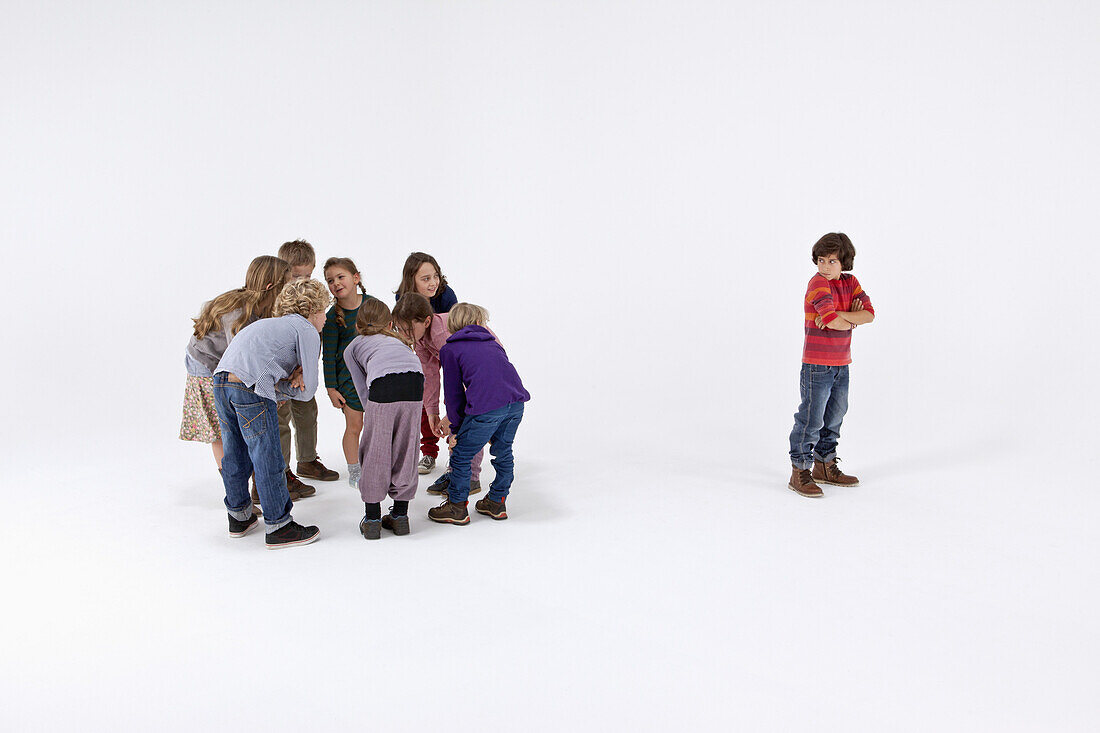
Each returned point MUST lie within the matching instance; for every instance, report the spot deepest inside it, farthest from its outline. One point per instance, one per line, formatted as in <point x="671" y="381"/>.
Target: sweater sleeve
<point x="437" y="336"/>
<point x="820" y="296"/>
<point x="329" y="343"/>
<point x="454" y="394"/>
<point x="859" y="294"/>
<point x="448" y="300"/>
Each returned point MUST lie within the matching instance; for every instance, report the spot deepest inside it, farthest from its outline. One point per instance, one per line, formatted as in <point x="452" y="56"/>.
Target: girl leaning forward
<point x="390" y="384"/>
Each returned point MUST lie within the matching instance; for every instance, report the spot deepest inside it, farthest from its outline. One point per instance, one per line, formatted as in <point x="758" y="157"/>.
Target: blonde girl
<point x="346" y="285"/>
<point x="219" y="321"/>
<point x="390" y="384"/>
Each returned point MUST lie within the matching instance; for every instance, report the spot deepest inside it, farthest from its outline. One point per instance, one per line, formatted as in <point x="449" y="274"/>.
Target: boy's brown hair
<point x="836" y="243"/>
<point x="298" y="252"/>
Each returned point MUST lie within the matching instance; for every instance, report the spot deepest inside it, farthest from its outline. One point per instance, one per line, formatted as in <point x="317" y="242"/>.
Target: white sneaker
<point x="427" y="463"/>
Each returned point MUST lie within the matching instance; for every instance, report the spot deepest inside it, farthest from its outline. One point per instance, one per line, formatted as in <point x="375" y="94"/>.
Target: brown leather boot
<point x="830" y="473"/>
<point x="803" y="483"/>
<point x="256" y="495"/>
<point x="294" y="486"/>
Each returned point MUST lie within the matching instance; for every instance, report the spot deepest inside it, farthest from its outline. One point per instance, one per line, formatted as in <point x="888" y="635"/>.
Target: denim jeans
<point x="498" y="429"/>
<point x="250" y="439"/>
<point x="817" y="422"/>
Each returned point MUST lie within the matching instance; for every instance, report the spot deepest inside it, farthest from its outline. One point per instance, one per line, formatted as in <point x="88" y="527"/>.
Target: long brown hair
<point x="374" y="318"/>
<point x="264" y="280"/>
<point x="343" y="263"/>
<point x="408" y="273"/>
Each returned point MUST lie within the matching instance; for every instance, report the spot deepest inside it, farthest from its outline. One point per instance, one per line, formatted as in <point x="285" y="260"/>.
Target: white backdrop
<point x="632" y="189"/>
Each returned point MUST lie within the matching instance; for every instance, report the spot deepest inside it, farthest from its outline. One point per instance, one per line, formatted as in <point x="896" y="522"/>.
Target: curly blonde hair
<point x="302" y="297"/>
<point x="466" y="314"/>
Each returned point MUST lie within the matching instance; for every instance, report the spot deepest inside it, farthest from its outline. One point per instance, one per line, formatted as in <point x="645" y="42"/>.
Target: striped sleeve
<point x="858" y="293"/>
<point x="820" y="297"/>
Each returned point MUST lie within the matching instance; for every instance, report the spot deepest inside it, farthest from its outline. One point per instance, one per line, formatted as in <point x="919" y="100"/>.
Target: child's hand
<point x="296" y="380"/>
<point x="435" y="425"/>
<point x="444" y="427"/>
<point x="820" y="323"/>
<point x="338" y="400"/>
<point x="857" y="305"/>
<point x="452" y="441"/>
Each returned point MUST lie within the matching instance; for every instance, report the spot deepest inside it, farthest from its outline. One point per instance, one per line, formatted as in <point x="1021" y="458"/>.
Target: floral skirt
<point x="200" y="417"/>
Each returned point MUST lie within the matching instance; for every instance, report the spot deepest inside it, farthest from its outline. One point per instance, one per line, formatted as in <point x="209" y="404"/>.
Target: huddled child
<point x="413" y="316"/>
<point x="219" y="321"/>
<point x="835" y="303"/>
<point x="346" y="285"/>
<point x="387" y="376"/>
<point x="274" y="358"/>
<point x="300" y="256"/>
<point x="421" y="274"/>
<point x="484" y="398"/>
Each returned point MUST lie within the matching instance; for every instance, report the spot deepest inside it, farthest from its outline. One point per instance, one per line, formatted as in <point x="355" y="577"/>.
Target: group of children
<point x="252" y="374"/>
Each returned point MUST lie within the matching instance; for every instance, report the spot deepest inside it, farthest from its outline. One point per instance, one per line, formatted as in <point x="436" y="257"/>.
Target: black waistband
<point x="403" y="387"/>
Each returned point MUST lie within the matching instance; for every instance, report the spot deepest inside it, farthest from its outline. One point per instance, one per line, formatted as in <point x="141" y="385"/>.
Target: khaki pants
<point x="304" y="415"/>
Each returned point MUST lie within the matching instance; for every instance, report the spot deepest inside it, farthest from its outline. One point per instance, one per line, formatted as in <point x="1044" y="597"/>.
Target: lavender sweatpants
<point x="389" y="450"/>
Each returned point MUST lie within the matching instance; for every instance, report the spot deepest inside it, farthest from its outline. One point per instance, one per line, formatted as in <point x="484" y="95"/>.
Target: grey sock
<point x="354" y="472"/>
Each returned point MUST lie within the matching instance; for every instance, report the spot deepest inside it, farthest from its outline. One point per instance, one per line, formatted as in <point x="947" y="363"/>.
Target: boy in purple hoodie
<point x="484" y="398"/>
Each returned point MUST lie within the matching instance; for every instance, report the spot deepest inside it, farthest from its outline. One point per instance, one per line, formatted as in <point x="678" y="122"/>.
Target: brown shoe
<point x="802" y="482"/>
<point x="316" y="470"/>
<point x="450" y="513"/>
<point x="256" y="495"/>
<point x="294" y="486"/>
<point x="830" y="473"/>
<point x="490" y="508"/>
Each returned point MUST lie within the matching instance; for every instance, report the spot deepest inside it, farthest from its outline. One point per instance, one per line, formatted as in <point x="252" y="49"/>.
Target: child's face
<point x="426" y="280"/>
<point x="298" y="272"/>
<point x="341" y="283"/>
<point x="317" y="318"/>
<point x="828" y="266"/>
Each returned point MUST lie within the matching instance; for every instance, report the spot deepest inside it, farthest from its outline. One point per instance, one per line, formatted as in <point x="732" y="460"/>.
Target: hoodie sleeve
<point x="453" y="392"/>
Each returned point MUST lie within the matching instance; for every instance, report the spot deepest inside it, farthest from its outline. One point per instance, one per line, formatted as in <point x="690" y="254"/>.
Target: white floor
<point x="620" y="595"/>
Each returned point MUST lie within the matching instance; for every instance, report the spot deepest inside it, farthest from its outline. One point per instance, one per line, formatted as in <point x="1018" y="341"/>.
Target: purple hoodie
<point x="477" y="376"/>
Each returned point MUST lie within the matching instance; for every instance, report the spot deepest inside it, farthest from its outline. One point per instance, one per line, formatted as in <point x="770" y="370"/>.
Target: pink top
<point x="427" y="348"/>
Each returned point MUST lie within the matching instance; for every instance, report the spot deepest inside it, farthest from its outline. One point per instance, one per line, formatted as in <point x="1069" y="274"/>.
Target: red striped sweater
<point x="824" y="298"/>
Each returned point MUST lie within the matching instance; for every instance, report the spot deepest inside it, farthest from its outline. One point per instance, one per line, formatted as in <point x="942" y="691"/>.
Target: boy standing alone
<point x="834" y="305"/>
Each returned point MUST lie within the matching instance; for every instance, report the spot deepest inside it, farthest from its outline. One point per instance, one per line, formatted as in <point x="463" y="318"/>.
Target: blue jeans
<point x="498" y="429"/>
<point x="250" y="439"/>
<point x="817" y="422"/>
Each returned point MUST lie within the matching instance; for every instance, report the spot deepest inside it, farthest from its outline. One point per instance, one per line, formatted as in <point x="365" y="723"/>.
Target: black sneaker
<point x="371" y="529"/>
<point x="490" y="508"/>
<point x="238" y="528"/>
<point x="397" y="525"/>
<point x="439" y="488"/>
<point x="290" y="535"/>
